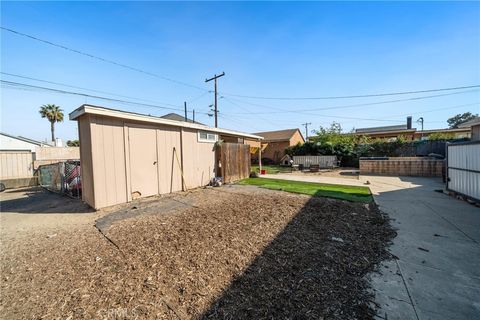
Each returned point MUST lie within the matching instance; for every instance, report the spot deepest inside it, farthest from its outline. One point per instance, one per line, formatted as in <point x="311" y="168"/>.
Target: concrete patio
<point x="436" y="272"/>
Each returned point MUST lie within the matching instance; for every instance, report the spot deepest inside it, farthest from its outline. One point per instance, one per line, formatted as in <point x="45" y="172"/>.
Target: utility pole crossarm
<point x="306" y="124"/>
<point x="215" y="77"/>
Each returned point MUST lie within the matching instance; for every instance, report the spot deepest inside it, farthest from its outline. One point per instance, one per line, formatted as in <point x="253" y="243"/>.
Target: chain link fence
<point x="63" y="177"/>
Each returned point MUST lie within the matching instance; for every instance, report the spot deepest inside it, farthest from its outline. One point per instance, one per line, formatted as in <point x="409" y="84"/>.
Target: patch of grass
<point x="272" y="169"/>
<point x="350" y="193"/>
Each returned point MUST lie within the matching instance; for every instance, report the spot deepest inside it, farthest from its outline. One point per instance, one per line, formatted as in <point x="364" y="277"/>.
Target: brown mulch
<point x="241" y="255"/>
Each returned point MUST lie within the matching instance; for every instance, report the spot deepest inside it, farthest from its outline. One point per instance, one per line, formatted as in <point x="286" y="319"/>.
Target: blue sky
<point x="282" y="49"/>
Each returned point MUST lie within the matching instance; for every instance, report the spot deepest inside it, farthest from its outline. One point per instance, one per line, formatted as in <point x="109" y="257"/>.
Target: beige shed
<point x="127" y="155"/>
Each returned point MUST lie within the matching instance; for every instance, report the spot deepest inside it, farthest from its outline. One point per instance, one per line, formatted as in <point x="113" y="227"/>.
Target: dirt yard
<point x="236" y="252"/>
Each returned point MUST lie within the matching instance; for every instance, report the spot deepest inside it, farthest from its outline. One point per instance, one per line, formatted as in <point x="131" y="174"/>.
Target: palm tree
<point x="53" y="114"/>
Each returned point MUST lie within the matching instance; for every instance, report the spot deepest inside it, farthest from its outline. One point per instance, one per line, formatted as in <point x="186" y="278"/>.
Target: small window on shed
<point x="204" y="136"/>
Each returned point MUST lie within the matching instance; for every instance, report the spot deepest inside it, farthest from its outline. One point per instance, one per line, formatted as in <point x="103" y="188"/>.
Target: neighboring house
<point x="275" y="143"/>
<point x="20" y="158"/>
<point x="11" y="142"/>
<point x="474" y="126"/>
<point x="177" y="117"/>
<point x="127" y="155"/>
<point x="406" y="131"/>
<point x="16" y="160"/>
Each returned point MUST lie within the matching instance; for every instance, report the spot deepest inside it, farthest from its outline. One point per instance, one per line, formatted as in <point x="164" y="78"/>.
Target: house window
<point x="204" y="136"/>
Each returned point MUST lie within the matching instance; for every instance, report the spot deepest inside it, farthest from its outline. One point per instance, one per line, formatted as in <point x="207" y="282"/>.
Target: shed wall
<point x="198" y="159"/>
<point x="169" y="159"/>
<point x="106" y="166"/>
<point x="108" y="161"/>
<point x="84" y="134"/>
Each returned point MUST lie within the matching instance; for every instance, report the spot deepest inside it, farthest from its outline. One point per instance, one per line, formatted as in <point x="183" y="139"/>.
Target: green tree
<point x="73" y="143"/>
<point x="460" y="118"/>
<point x="53" y="113"/>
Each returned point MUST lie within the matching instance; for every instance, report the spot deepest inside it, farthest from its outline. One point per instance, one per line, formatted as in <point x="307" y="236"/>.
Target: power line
<point x="236" y="121"/>
<point x="435" y="110"/>
<point x="199" y="97"/>
<point x="352" y="96"/>
<point x="87" y="89"/>
<point x="243" y="108"/>
<point x="353" y="105"/>
<point x="103" y="59"/>
<point x="177" y="108"/>
<point x="385" y="119"/>
<point x="327" y="116"/>
<point x="229" y="94"/>
<point x="28" y="86"/>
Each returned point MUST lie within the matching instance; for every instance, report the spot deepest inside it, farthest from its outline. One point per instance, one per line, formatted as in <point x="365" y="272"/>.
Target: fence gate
<point x="234" y="161"/>
<point x="63" y="177"/>
<point x="463" y="168"/>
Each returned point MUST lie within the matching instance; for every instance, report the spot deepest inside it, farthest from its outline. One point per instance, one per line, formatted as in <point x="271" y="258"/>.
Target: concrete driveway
<point x="436" y="274"/>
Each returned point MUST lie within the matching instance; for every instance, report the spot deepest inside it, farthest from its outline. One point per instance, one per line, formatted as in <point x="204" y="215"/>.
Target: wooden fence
<point x="16" y="164"/>
<point x="234" y="161"/>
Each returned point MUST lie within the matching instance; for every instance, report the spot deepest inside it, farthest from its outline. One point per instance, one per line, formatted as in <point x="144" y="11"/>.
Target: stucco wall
<point x="296" y="138"/>
<point x="8" y="143"/>
<point x="476" y="132"/>
<point x="48" y="155"/>
<point x="275" y="150"/>
<point x="57" y="153"/>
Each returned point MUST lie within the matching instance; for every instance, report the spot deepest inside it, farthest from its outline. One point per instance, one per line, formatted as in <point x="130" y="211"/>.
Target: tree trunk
<point x="52" y="128"/>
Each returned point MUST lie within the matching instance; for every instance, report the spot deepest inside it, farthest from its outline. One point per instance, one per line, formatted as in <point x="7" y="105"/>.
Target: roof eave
<point x="87" y="109"/>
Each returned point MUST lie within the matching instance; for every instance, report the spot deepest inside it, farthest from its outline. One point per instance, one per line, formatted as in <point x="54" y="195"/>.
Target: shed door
<point x="143" y="161"/>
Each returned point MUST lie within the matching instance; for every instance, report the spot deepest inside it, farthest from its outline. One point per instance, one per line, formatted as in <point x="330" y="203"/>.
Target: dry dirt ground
<point x="235" y="252"/>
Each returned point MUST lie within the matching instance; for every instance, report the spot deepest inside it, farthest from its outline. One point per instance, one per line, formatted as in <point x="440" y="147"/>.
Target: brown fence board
<point x="235" y="161"/>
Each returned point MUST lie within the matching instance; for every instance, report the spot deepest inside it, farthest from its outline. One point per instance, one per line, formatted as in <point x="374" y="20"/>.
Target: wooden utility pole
<point x="306" y="129"/>
<point x="185" y="105"/>
<point x="215" y="77"/>
<point x="193" y="115"/>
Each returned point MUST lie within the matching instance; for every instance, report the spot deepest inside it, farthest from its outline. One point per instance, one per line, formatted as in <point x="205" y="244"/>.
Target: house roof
<point x="279" y="135"/>
<point x="401" y="131"/>
<point x="446" y="130"/>
<point x="38" y="143"/>
<point x="177" y="117"/>
<point x="415" y="131"/>
<point x="101" y="111"/>
<point x="475" y="121"/>
<point x="382" y="129"/>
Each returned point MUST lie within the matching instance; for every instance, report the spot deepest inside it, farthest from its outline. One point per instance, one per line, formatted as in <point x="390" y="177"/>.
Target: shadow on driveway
<point x="40" y="201"/>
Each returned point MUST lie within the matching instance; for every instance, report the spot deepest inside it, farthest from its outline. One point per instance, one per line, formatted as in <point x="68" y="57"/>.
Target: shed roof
<point x="279" y="135"/>
<point x="177" y="117"/>
<point x="101" y="111"/>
